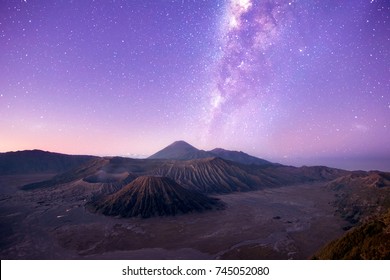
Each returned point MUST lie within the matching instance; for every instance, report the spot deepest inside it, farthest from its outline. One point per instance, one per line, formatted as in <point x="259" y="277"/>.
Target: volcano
<point x="180" y="150"/>
<point x="210" y="175"/>
<point x="149" y="196"/>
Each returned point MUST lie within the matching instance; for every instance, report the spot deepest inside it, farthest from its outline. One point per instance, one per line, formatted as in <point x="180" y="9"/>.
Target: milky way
<point x="299" y="82"/>
<point x="250" y="32"/>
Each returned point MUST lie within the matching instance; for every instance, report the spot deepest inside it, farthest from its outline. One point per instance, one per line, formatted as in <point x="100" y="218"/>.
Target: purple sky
<point x="290" y="81"/>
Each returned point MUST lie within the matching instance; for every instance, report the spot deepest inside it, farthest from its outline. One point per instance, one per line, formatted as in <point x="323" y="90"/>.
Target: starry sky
<point x="296" y="82"/>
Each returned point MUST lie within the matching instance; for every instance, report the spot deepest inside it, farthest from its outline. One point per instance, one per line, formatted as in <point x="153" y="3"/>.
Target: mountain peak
<point x="181" y="144"/>
<point x="180" y="150"/>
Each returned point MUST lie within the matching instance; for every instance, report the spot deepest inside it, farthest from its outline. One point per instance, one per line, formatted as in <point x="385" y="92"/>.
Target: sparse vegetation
<point x="369" y="241"/>
<point x="363" y="199"/>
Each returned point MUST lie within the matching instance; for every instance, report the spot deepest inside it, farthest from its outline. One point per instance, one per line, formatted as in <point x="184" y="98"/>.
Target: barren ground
<point x="280" y="223"/>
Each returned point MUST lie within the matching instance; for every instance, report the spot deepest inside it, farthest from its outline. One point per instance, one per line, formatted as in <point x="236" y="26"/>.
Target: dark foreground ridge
<point x="370" y="241"/>
<point x="149" y="196"/>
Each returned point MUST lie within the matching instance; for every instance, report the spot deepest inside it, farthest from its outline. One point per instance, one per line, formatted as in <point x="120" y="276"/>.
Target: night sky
<point x="298" y="82"/>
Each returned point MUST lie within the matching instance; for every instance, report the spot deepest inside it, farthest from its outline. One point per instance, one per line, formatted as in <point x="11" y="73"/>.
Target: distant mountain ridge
<point x="182" y="174"/>
<point x="239" y="157"/>
<point x="181" y="150"/>
<point x="216" y="171"/>
<point x="38" y="161"/>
